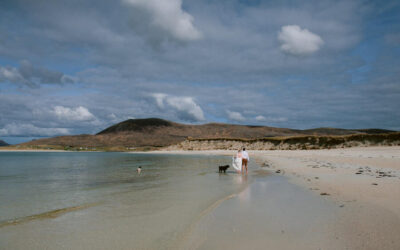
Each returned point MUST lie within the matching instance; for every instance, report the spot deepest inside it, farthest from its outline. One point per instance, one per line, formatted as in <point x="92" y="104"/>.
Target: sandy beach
<point x="363" y="183"/>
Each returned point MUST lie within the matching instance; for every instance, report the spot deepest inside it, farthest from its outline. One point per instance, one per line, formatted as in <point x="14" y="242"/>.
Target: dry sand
<point x="370" y="175"/>
<point x="365" y="182"/>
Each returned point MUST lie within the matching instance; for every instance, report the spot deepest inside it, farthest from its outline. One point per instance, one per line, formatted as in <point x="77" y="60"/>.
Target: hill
<point x="137" y="125"/>
<point x="154" y="132"/>
<point x="3" y="143"/>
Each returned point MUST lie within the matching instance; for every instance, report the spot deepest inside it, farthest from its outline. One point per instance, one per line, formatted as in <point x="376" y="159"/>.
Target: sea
<point x="97" y="200"/>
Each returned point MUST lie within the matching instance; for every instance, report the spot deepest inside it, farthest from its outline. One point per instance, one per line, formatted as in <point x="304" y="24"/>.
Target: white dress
<point x="237" y="163"/>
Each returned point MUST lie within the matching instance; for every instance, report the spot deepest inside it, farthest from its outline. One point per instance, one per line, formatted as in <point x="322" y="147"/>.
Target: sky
<point x="76" y="67"/>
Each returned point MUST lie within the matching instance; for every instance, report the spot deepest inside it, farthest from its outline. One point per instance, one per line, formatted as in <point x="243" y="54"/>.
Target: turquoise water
<point x="37" y="182"/>
<point x="149" y="210"/>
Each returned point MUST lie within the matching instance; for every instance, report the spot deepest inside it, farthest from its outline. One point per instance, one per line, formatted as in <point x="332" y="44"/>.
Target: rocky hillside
<point x="3" y="143"/>
<point x="154" y="132"/>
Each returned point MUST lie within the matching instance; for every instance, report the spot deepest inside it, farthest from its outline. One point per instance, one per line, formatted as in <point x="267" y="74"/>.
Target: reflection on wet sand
<point x="265" y="215"/>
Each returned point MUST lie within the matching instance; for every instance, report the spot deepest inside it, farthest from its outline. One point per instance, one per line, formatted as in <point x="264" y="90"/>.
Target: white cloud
<point x="11" y="74"/>
<point x="185" y="107"/>
<point x="188" y="107"/>
<point x="159" y="97"/>
<point x="169" y="16"/>
<point x="235" y="116"/>
<point x="260" y="118"/>
<point x="70" y="114"/>
<point x="112" y="117"/>
<point x="31" y="130"/>
<point x="30" y="75"/>
<point x="297" y="41"/>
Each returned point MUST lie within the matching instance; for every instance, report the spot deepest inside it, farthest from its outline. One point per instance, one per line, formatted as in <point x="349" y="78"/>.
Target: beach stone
<point x="324" y="193"/>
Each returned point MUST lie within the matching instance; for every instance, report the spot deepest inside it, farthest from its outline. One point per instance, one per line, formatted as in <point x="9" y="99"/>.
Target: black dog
<point x="223" y="168"/>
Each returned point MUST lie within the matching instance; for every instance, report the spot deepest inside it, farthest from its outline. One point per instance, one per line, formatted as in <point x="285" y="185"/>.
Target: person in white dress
<point x="237" y="161"/>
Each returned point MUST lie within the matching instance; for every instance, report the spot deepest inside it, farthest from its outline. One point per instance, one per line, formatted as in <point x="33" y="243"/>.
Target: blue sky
<point x="73" y="67"/>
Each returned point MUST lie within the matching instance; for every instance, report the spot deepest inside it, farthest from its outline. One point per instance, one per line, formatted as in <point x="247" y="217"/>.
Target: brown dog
<point x="223" y="168"/>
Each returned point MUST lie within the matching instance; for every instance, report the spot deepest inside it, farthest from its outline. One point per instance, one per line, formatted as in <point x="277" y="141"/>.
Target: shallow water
<point x="97" y="200"/>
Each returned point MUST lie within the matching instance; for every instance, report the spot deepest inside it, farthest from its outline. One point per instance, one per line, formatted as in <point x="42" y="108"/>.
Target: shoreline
<point x="340" y="173"/>
<point x="176" y="150"/>
<point x="337" y="171"/>
<point x="310" y="198"/>
<point x="362" y="182"/>
<point x="343" y="174"/>
<point x="34" y="150"/>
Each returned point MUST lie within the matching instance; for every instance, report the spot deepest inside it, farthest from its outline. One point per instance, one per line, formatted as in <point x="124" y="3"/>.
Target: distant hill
<point x="3" y="143"/>
<point x="155" y="132"/>
<point x="137" y="125"/>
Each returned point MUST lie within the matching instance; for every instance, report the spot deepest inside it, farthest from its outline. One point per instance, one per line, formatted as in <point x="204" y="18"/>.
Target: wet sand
<point x="356" y="202"/>
<point x="269" y="214"/>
